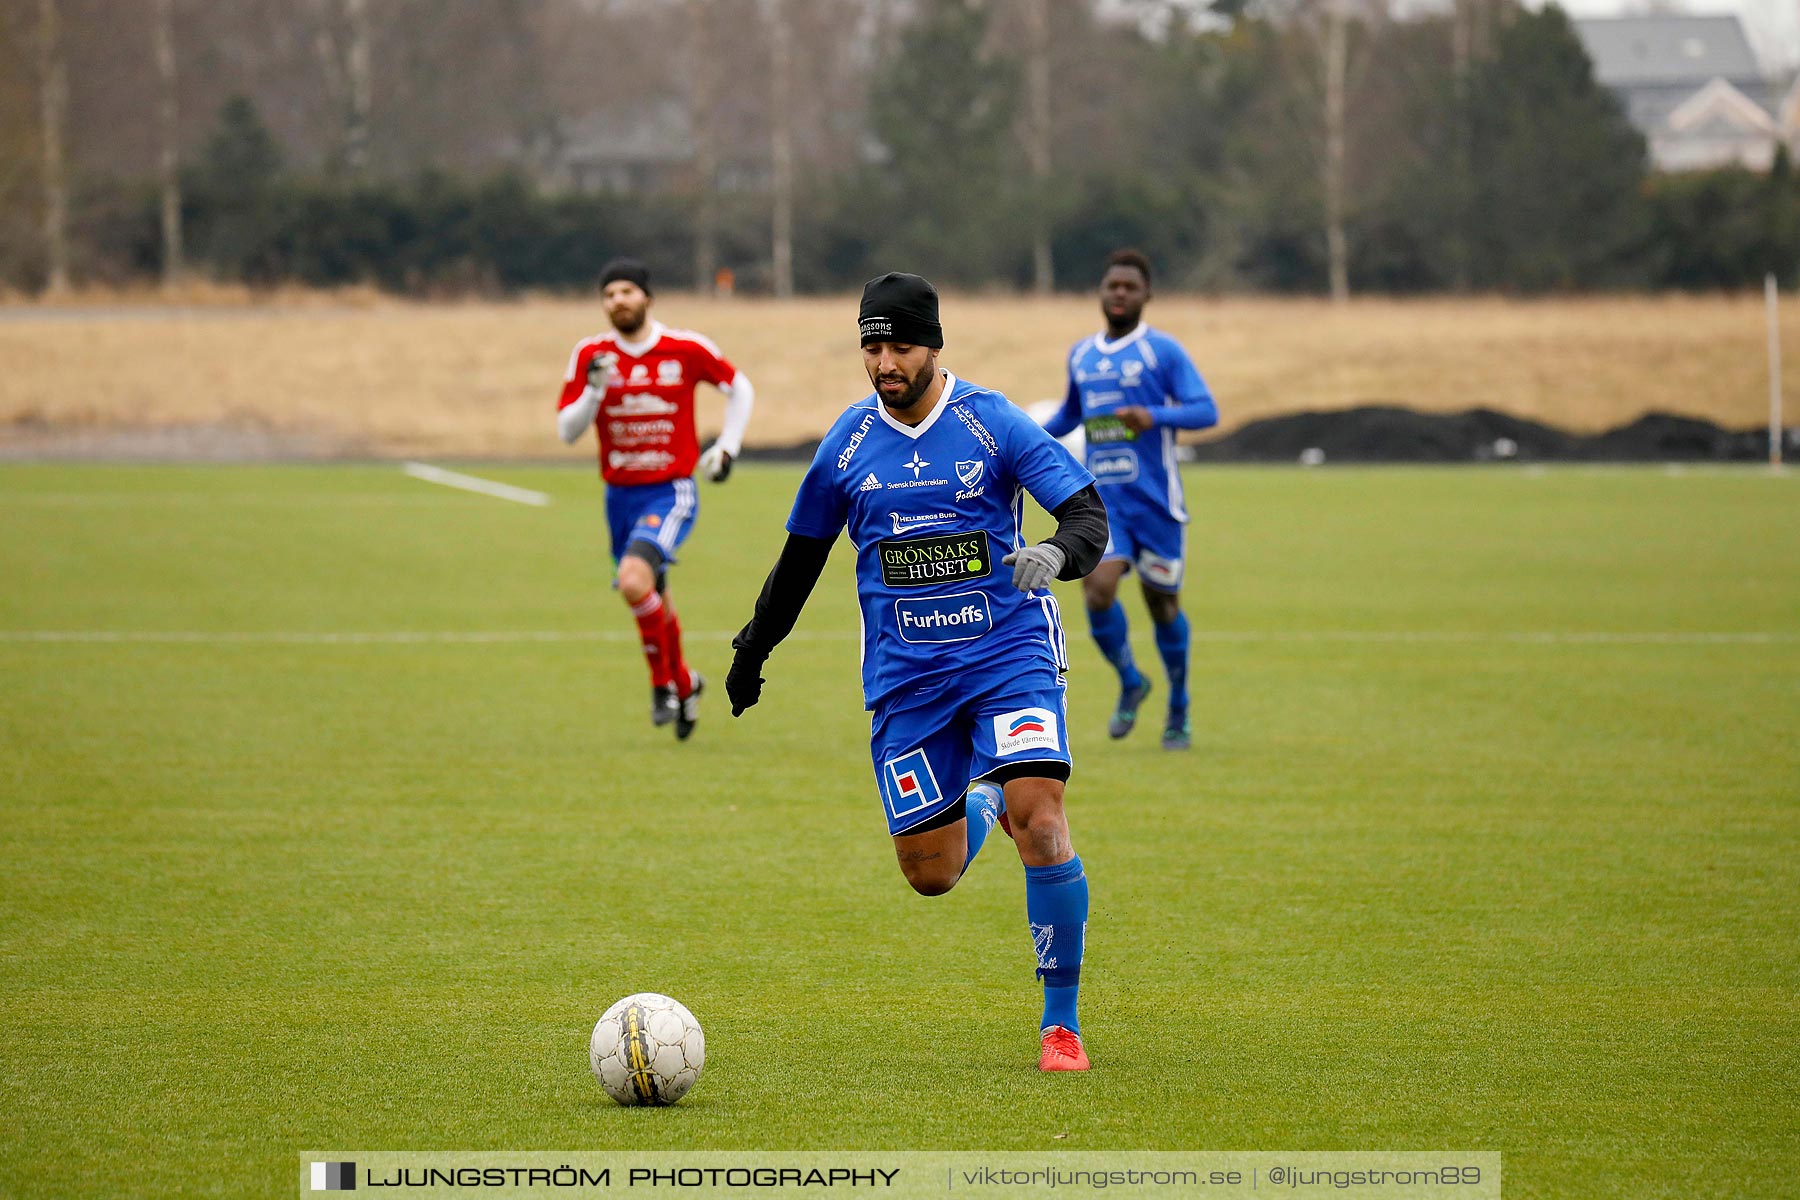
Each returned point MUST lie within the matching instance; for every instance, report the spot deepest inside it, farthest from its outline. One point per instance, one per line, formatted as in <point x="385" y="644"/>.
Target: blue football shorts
<point x="1147" y="537"/>
<point x="655" y="512"/>
<point x="929" y="745"/>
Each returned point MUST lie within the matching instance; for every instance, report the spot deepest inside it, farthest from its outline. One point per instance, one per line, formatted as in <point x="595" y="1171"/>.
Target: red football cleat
<point x="1062" y="1051"/>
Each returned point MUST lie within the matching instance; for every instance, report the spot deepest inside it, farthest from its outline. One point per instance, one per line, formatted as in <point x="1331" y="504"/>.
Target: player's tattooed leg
<point x="933" y="860"/>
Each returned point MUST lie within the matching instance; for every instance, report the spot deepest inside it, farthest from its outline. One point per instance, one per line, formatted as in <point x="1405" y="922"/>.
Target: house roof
<point x="1665" y="50"/>
<point x="1719" y="106"/>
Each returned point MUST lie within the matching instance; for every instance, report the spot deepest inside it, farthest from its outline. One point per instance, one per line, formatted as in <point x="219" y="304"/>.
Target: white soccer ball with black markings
<point x="647" y="1049"/>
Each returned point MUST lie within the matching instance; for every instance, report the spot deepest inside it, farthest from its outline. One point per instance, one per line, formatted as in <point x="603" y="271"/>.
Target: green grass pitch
<point x="1423" y="882"/>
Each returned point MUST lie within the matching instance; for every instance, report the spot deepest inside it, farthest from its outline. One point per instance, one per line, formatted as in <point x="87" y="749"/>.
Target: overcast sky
<point x="1773" y="26"/>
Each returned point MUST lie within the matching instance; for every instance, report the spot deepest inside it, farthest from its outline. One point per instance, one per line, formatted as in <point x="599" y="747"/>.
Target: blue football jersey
<point x="931" y="509"/>
<point x="1148" y="369"/>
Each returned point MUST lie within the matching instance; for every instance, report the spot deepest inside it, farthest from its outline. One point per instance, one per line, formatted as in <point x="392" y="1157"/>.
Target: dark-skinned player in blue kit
<point x="963" y="654"/>
<point x="1132" y="387"/>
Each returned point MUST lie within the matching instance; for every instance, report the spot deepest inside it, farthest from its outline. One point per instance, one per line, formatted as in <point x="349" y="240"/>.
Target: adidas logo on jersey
<point x="870" y="484"/>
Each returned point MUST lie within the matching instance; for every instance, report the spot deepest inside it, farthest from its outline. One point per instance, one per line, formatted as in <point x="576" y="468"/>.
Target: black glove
<point x="743" y="683"/>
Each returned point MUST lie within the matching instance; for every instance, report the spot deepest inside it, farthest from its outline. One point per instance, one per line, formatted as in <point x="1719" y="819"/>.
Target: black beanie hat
<point x="628" y="269"/>
<point x="900" y="308"/>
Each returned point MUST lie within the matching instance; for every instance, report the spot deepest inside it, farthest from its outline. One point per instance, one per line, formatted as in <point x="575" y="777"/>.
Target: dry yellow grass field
<point x="368" y="375"/>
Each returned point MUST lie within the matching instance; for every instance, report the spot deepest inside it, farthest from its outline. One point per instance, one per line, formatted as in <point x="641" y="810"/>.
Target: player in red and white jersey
<point x="635" y="388"/>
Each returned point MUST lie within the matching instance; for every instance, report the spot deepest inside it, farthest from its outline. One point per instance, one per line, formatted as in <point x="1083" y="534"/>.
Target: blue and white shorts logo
<point x="1163" y="572"/>
<point x="1025" y="729"/>
<point x="909" y="783"/>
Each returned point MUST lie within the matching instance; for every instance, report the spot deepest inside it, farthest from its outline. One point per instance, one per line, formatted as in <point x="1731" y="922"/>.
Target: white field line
<point x="219" y="500"/>
<point x="346" y="638"/>
<point x="1517" y="638"/>
<point x="474" y="483"/>
<point x="1224" y="636"/>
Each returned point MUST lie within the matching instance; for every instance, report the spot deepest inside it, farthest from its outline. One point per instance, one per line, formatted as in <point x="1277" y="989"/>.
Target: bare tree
<point x="53" y="78"/>
<point x="1330" y="76"/>
<point x="342" y="42"/>
<point x="702" y="95"/>
<point x="1037" y="139"/>
<point x="781" y="146"/>
<point x="1336" y="62"/>
<point x="358" y="74"/>
<point x="1467" y="45"/>
<point x="168" y="122"/>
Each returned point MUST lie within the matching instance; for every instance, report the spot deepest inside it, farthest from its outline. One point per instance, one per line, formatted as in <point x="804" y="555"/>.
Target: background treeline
<point x="1287" y="146"/>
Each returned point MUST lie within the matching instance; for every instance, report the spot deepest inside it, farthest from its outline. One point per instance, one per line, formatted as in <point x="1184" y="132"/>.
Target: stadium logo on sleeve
<point x="1025" y="729"/>
<point x="856" y="438"/>
<point x="909" y="783"/>
<point x="333" y="1177"/>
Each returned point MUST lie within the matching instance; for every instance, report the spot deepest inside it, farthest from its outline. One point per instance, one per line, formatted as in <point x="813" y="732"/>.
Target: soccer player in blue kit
<point x="1133" y="387"/>
<point x="963" y="661"/>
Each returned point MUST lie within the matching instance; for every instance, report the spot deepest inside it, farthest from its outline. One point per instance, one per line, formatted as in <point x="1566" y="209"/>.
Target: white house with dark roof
<point x="1691" y="85"/>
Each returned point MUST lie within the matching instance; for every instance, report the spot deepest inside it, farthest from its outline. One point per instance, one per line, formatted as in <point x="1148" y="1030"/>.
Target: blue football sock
<point x="1172" y="644"/>
<point x="1056" y="902"/>
<point x="1113" y="636"/>
<point x="986" y="803"/>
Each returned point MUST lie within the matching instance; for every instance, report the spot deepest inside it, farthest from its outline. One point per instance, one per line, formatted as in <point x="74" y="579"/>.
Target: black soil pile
<point x="1381" y="433"/>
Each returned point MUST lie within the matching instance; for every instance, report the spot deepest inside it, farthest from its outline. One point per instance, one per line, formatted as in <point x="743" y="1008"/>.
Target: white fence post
<point x="1772" y="294"/>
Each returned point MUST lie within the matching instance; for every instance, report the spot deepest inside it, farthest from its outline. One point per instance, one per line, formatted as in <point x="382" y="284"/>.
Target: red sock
<point x="651" y="625"/>
<point x="673" y="664"/>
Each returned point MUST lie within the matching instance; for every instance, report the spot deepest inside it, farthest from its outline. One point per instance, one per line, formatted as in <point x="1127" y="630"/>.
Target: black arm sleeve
<point x="784" y="594"/>
<point x="1080" y="532"/>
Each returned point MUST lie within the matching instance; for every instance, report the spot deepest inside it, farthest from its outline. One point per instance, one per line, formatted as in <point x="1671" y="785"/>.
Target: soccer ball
<point x="647" y="1049"/>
